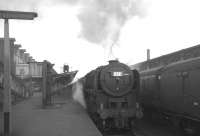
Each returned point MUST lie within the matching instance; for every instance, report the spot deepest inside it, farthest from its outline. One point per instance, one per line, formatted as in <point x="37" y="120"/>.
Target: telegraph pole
<point x="6" y="15"/>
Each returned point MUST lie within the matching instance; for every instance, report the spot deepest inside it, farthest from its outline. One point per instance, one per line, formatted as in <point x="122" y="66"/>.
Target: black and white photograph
<point x="99" y="68"/>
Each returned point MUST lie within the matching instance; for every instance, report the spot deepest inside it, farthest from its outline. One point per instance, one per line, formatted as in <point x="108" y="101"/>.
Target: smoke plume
<point x="102" y="20"/>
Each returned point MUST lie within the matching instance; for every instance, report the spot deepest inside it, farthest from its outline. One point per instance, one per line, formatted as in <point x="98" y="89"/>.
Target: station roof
<point x="66" y="77"/>
<point x="183" y="54"/>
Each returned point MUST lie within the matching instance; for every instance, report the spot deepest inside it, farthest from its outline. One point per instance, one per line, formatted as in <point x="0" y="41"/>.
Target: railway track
<point x="124" y="133"/>
<point x="148" y="128"/>
<point x="128" y="134"/>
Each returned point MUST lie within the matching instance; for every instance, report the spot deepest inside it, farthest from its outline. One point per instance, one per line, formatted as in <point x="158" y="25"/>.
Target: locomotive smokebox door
<point x="116" y="78"/>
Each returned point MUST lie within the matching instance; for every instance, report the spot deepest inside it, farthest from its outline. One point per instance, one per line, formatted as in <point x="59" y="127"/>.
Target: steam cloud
<point x="102" y="20"/>
<point x="78" y="96"/>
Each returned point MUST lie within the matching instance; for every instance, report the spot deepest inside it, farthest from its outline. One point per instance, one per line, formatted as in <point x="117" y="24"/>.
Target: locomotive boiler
<point x="111" y="96"/>
<point x="174" y="91"/>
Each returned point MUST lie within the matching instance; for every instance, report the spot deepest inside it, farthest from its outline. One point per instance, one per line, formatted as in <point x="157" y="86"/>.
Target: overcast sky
<point x="57" y="34"/>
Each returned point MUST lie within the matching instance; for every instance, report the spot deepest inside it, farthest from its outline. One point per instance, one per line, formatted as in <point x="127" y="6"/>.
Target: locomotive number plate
<point x="118" y="74"/>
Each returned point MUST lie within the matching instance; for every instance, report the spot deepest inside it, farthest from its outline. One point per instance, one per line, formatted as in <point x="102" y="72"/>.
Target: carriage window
<point x="113" y="105"/>
<point x="124" y="105"/>
<point x="159" y="77"/>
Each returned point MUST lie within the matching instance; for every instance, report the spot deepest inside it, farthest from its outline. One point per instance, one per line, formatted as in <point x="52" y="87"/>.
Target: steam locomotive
<point x="111" y="96"/>
<point x="174" y="91"/>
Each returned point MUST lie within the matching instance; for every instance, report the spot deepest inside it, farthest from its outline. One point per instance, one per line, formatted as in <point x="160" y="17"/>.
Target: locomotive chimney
<point x="66" y="68"/>
<point x="113" y="61"/>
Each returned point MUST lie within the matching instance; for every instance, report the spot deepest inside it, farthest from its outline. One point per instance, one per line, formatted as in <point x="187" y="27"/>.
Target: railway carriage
<point x="174" y="91"/>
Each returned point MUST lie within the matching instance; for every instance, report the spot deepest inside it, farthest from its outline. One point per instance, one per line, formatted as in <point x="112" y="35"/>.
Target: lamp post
<point x="6" y="15"/>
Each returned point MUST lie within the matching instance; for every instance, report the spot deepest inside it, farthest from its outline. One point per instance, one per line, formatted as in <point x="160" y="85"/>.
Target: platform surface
<point x="63" y="119"/>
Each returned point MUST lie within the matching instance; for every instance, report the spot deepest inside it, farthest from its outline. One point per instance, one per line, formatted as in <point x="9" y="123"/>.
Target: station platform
<point x="66" y="118"/>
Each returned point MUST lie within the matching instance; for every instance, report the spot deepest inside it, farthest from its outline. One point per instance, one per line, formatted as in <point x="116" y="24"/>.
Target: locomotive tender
<point x="174" y="91"/>
<point x="111" y="94"/>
